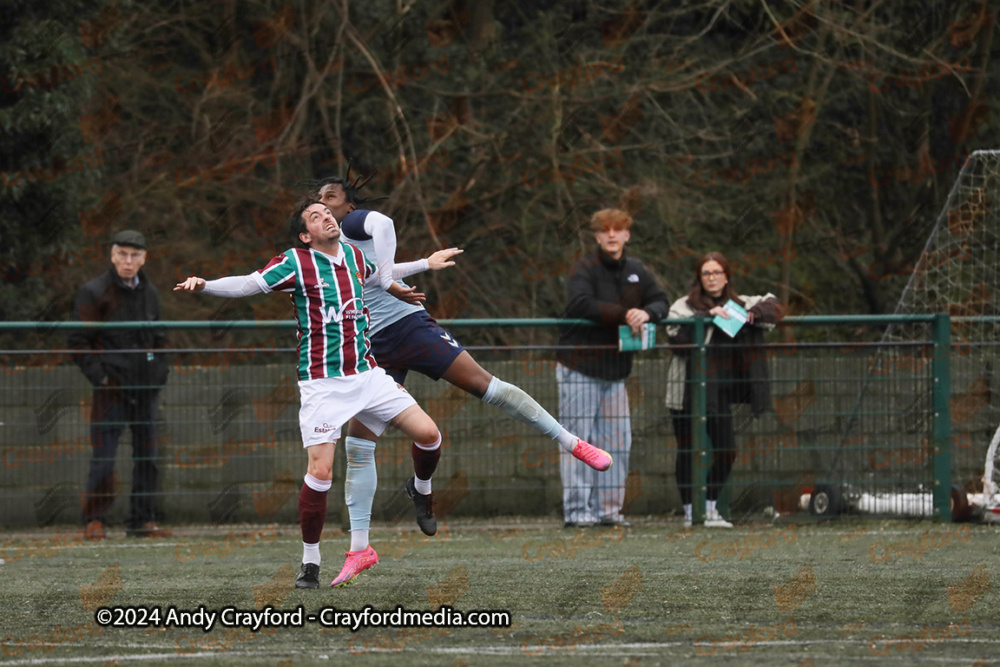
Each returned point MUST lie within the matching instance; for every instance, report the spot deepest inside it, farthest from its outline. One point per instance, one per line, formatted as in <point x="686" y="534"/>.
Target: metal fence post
<point x="941" y="393"/>
<point x="701" y="454"/>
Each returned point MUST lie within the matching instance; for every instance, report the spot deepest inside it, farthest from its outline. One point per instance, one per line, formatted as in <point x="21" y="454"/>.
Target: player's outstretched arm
<point x="192" y="284"/>
<point x="437" y="261"/>
<point x="442" y="258"/>
<point x="230" y="286"/>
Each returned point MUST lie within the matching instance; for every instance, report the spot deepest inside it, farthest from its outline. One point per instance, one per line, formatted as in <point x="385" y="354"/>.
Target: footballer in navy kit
<point x="404" y="337"/>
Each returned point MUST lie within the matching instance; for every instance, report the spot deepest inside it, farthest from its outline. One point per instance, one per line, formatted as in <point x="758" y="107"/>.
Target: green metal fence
<point x="867" y="422"/>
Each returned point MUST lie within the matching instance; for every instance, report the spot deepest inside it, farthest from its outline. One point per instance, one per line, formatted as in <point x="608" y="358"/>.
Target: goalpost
<point x="958" y="272"/>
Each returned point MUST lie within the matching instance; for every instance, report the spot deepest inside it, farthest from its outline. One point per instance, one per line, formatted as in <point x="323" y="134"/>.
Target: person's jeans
<point x="113" y="410"/>
<point x="596" y="411"/>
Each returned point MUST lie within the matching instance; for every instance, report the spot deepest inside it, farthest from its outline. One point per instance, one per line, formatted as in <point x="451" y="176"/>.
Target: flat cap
<point x="130" y="237"/>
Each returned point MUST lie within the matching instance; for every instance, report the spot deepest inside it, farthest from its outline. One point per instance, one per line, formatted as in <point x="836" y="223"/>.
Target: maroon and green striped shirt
<point x="331" y="314"/>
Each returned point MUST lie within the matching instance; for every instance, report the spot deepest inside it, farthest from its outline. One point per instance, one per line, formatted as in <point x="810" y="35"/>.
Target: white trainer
<point x="714" y="520"/>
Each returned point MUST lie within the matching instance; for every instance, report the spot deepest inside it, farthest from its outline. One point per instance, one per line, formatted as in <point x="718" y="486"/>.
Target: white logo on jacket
<point x="633" y="278"/>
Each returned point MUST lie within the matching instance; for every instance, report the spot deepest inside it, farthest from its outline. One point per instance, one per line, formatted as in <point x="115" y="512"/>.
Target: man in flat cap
<point x="127" y="377"/>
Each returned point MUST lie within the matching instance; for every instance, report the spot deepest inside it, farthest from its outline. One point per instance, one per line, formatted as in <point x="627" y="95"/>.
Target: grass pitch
<point x="798" y="593"/>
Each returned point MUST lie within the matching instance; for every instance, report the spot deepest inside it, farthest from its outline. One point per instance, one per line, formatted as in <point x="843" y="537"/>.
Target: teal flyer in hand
<point x="737" y="318"/>
<point x="629" y="343"/>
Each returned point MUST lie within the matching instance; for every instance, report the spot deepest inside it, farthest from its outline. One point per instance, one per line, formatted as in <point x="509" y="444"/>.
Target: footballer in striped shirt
<point x="338" y="378"/>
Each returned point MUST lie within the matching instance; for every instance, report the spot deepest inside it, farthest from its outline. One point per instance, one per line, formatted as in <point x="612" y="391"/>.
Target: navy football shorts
<point x="415" y="343"/>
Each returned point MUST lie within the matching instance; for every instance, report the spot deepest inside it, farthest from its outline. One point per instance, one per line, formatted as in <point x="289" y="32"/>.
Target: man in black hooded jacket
<point x="127" y="378"/>
<point x="611" y="289"/>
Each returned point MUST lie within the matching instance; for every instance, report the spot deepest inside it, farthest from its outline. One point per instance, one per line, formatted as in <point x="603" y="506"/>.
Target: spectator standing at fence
<point x="127" y="378"/>
<point x="611" y="289"/>
<point x="338" y="377"/>
<point x="404" y="338"/>
<point x="736" y="373"/>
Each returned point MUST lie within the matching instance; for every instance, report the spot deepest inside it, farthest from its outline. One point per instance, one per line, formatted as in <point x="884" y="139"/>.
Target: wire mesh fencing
<point x="879" y="427"/>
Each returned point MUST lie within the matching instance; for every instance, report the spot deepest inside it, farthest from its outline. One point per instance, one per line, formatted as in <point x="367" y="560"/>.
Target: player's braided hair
<point x="352" y="191"/>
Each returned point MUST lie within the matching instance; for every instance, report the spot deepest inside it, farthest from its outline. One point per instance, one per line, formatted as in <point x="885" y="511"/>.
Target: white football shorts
<point x="328" y="403"/>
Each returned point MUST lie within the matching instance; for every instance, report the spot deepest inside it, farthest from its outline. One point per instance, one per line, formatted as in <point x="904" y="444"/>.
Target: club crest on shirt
<point x="360" y="276"/>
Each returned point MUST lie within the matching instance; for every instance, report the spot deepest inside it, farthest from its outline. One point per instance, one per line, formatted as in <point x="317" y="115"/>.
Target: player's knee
<point x="428" y="436"/>
<point x="321" y="470"/>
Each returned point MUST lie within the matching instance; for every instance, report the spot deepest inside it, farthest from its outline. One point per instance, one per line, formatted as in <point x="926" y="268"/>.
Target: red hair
<point x="610" y="218"/>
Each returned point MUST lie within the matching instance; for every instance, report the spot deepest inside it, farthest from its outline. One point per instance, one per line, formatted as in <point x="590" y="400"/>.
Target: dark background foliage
<point x="814" y="143"/>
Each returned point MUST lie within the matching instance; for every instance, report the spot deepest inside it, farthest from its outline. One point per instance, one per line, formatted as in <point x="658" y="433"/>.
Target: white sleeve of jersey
<point x="383" y="234"/>
<point x="235" y="286"/>
<point x="409" y="268"/>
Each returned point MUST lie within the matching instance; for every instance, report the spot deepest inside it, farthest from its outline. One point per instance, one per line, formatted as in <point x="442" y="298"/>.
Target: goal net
<point x="958" y="272"/>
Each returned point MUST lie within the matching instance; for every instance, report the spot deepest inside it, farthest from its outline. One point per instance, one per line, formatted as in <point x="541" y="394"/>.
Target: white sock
<point x="317" y="484"/>
<point x="522" y="407"/>
<point x="687" y="512"/>
<point x="709" y="507"/>
<point x="567" y="440"/>
<point x="310" y="553"/>
<point x="423" y="486"/>
<point x="360" y="482"/>
<point x="359" y="539"/>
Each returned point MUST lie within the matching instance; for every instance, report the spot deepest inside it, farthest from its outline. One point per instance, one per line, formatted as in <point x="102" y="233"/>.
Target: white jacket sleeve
<point x="236" y="286"/>
<point x="383" y="234"/>
<point x="678" y="309"/>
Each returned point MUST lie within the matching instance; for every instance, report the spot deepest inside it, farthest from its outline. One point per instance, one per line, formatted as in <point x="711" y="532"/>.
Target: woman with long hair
<point x="735" y="374"/>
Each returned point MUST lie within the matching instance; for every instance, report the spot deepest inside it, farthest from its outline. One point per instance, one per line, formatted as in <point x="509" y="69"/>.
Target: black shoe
<point x="308" y="577"/>
<point x="425" y="508"/>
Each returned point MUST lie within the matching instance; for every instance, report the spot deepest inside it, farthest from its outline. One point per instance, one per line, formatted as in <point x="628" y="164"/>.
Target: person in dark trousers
<point x="736" y="373"/>
<point x="127" y="377"/>
<point x="611" y="289"/>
